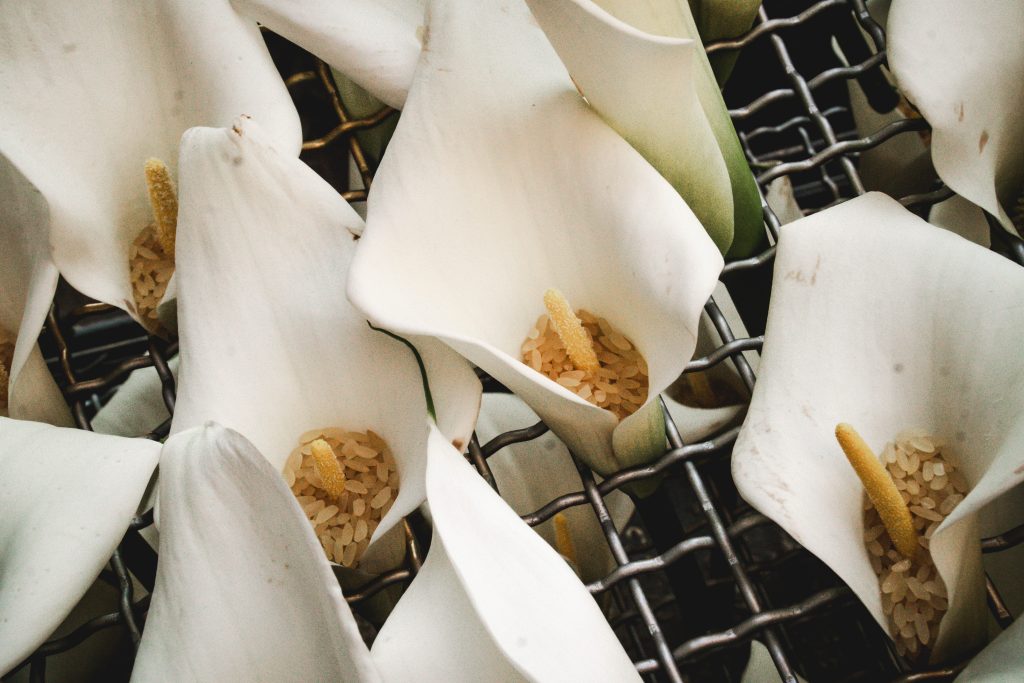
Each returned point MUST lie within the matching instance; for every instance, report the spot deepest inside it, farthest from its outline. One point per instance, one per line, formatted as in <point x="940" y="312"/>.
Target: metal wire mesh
<point x="698" y="572"/>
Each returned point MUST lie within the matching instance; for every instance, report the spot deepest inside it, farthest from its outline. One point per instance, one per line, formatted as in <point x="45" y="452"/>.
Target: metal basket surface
<point x="699" y="572"/>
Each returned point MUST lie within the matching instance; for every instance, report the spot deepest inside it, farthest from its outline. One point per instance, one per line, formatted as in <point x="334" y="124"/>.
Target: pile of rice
<point x="6" y="357"/>
<point x="621" y="383"/>
<point x="913" y="594"/>
<point x="151" y="270"/>
<point x="345" y="523"/>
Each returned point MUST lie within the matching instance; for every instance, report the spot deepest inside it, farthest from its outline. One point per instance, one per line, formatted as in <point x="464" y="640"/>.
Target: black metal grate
<point x="699" y="573"/>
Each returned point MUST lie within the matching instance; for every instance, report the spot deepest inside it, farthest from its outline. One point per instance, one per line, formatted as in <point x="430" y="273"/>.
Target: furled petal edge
<point x="962" y="72"/>
<point x="643" y="86"/>
<point x="28" y="280"/>
<point x="493" y="601"/>
<point x="375" y="43"/>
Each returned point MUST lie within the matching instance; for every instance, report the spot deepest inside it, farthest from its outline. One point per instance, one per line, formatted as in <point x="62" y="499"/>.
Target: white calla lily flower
<point x="491" y="602"/>
<point x="243" y="590"/>
<point x="962" y="72"/>
<point x="880" y="320"/>
<point x="28" y="279"/>
<point x="376" y="43"/>
<point x="643" y="69"/>
<point x="136" y="76"/>
<point x="67" y="498"/>
<point x="514" y="610"/>
<point x="532" y="473"/>
<point x="503" y="127"/>
<point x="269" y="345"/>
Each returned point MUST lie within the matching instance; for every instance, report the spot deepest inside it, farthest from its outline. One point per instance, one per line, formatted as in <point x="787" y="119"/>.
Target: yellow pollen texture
<point x="345" y="482"/>
<point x="914" y="597"/>
<point x="880" y="489"/>
<point x="619" y="385"/>
<point x="327" y="467"/>
<point x="151" y="255"/>
<point x="164" y="201"/>
<point x="570" y="330"/>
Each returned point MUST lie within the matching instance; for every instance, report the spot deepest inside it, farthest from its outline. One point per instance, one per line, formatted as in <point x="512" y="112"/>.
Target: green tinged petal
<point x="722" y="20"/>
<point x="748" y="227"/>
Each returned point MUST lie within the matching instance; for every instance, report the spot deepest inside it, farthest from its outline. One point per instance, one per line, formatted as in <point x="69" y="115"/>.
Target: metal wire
<point x="774" y="590"/>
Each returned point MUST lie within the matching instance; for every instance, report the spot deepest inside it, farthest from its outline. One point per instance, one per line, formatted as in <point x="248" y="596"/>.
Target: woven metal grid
<point x="699" y="573"/>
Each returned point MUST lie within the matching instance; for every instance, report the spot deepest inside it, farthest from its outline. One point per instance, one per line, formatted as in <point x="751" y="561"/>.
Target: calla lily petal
<point x="873" y="318"/>
<point x="642" y="67"/>
<point x="962" y="71"/>
<point x="243" y="590"/>
<point x="720" y="20"/>
<point x="67" y="497"/>
<point x="761" y="667"/>
<point x="1000" y="662"/>
<point x="660" y="113"/>
<point x="28" y="280"/>
<point x="902" y="165"/>
<point x="960" y="216"/>
<point x="259" y="226"/>
<point x="531" y="474"/>
<point x="493" y="110"/>
<point x="514" y="610"/>
<point x="136" y="75"/>
<point x="376" y="43"/>
<point x="782" y="200"/>
<point x="137" y="407"/>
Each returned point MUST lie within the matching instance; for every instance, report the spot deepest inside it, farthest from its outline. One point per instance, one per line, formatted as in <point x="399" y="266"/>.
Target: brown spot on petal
<point x="982" y="141"/>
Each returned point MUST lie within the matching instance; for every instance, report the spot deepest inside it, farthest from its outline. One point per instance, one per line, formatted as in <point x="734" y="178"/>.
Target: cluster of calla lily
<point x="529" y="169"/>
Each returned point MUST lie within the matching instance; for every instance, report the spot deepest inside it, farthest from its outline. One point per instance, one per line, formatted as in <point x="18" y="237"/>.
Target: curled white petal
<point x="962" y="69"/>
<point x="67" y="497"/>
<point x="492" y="601"/>
<point x="28" y="280"/>
<point x="243" y="590"/>
<point x="495" y="224"/>
<point x="880" y="320"/>
<point x="269" y="345"/>
<point x="135" y="75"/>
<point x="376" y="43"/>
